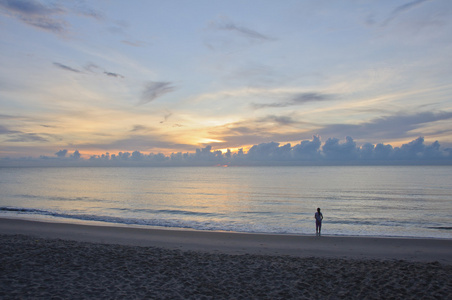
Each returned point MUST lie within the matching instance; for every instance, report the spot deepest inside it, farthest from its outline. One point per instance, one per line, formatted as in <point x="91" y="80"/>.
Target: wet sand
<point x="65" y="261"/>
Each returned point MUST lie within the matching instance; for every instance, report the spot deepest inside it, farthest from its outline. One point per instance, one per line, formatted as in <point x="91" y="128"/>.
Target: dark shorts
<point x="318" y="223"/>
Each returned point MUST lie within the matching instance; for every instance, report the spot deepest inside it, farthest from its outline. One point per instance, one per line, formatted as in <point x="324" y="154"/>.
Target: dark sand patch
<point x="32" y="267"/>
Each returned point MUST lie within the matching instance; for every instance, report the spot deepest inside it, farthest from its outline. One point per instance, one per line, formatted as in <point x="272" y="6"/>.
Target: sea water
<point x="406" y="201"/>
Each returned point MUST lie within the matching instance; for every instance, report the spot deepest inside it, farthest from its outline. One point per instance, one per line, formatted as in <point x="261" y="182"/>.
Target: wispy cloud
<point x="390" y="127"/>
<point x="259" y="130"/>
<point x="47" y="17"/>
<point x="140" y="128"/>
<point x="111" y="74"/>
<point x="66" y="68"/>
<point x="298" y="99"/>
<point x="138" y="140"/>
<point x="81" y="8"/>
<point x="27" y="137"/>
<point x="228" y="36"/>
<point x="243" y="31"/>
<point x="133" y="43"/>
<point x="166" y="117"/>
<point x="93" y="68"/>
<point x="36" y="14"/>
<point x="153" y="90"/>
<point x="280" y="120"/>
<point x="17" y="136"/>
<point x="402" y="9"/>
<point x="268" y="128"/>
<point x="89" y="67"/>
<point x="122" y="28"/>
<point x="6" y="130"/>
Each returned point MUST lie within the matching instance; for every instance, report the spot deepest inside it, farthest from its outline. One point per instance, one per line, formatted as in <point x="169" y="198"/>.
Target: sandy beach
<point x="67" y="261"/>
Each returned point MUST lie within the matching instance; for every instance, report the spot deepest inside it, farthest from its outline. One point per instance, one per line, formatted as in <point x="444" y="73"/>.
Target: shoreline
<point x="344" y="247"/>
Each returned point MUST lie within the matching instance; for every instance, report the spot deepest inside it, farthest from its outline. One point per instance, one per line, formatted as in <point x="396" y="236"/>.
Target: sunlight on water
<point x="394" y="201"/>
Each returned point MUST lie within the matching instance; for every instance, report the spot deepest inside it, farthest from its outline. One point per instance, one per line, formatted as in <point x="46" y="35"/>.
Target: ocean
<point x="399" y="201"/>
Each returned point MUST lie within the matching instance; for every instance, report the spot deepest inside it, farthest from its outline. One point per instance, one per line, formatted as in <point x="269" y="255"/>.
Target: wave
<point x="24" y="210"/>
<point x="173" y="222"/>
<point x="382" y="223"/>
<point x="62" y="199"/>
<point x="441" y="227"/>
<point x="361" y="222"/>
<point x="167" y="211"/>
<point x="174" y="219"/>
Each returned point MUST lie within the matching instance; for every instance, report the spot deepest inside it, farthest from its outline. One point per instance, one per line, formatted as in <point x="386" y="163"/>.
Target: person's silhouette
<point x="318" y="222"/>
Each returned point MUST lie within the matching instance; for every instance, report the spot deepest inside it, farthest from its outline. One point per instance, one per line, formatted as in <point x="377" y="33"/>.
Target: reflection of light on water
<point x="354" y="200"/>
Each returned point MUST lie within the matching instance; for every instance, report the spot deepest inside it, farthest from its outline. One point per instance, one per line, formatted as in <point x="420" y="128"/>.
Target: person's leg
<point x="320" y="228"/>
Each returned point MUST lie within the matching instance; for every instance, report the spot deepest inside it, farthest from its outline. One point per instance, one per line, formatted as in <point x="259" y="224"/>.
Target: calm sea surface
<point x="360" y="200"/>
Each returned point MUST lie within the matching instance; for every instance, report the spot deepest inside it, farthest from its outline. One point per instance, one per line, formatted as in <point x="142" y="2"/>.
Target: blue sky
<point x="176" y="76"/>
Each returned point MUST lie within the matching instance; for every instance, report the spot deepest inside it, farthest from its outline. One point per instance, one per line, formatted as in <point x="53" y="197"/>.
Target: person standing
<point x="318" y="222"/>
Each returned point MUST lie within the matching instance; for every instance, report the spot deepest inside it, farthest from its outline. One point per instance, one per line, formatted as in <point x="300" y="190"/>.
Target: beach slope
<point x="411" y="249"/>
<point x="66" y="261"/>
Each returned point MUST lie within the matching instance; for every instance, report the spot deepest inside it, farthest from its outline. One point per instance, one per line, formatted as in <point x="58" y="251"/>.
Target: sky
<point x="91" y="79"/>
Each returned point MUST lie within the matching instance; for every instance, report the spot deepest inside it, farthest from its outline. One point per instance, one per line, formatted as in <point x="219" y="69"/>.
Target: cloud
<point x="133" y="43"/>
<point x="140" y="137"/>
<point x="337" y="152"/>
<point x="66" y="68"/>
<point x="307" y="152"/>
<point x="93" y="68"/>
<point x="113" y="74"/>
<point x="14" y="136"/>
<point x="298" y="99"/>
<point x="280" y="120"/>
<point x="36" y="14"/>
<point x="402" y="9"/>
<point x="230" y="36"/>
<point x="27" y="137"/>
<point x="139" y="128"/>
<point x="270" y="151"/>
<point x="61" y="153"/>
<point x="2" y="116"/>
<point x="259" y="130"/>
<point x="416" y="149"/>
<point x="81" y="8"/>
<point x="243" y="31"/>
<point x="76" y="155"/>
<point x="310" y="97"/>
<point x="388" y="127"/>
<point x="333" y="150"/>
<point x="46" y="16"/>
<point x="166" y="117"/>
<point x="153" y="90"/>
<point x="6" y="130"/>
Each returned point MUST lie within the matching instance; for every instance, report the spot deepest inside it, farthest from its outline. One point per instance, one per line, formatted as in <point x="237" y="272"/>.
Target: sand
<point x="64" y="261"/>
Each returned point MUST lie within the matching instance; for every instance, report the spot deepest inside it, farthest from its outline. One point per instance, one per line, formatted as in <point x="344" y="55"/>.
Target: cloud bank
<point x="307" y="152"/>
